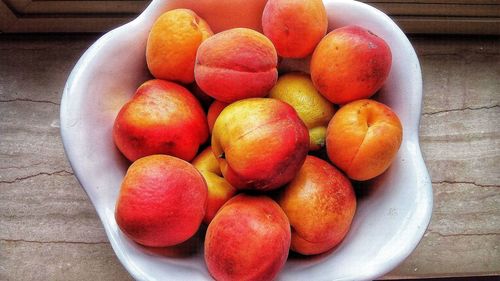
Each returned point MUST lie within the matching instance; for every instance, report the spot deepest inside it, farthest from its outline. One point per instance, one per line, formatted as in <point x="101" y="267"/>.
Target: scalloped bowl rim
<point x="84" y="140"/>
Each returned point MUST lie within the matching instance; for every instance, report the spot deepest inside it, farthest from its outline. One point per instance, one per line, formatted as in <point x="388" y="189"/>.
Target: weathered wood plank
<point x="31" y="261"/>
<point x="462" y="146"/>
<point x="32" y="76"/>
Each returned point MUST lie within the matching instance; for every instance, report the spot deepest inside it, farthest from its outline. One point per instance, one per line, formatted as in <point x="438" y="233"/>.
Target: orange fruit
<point x="172" y="45"/>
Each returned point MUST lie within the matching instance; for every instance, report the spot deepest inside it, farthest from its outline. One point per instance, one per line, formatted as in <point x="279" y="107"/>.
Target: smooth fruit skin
<point x="225" y="14"/>
<point x="161" y="202"/>
<point x="172" y="45"/>
<point x="247" y="240"/>
<point x="320" y="204"/>
<point x="350" y="63"/>
<point x="219" y="190"/>
<point x="236" y="64"/>
<point x="260" y="143"/>
<point x="363" y="138"/>
<point x="161" y="118"/>
<point x="213" y="112"/>
<point x="294" y="26"/>
<point x="297" y="90"/>
<point x="206" y="161"/>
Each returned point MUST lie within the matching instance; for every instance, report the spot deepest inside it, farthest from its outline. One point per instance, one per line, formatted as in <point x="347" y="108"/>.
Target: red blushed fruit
<point x="320" y="204"/>
<point x="260" y="143"/>
<point x="161" y="118"/>
<point x="213" y="112"/>
<point x="236" y="64"/>
<point x="162" y="201"/>
<point x="350" y="63"/>
<point x="248" y="239"/>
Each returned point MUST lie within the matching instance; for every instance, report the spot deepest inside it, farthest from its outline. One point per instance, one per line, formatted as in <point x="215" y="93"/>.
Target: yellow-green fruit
<point x="315" y="111"/>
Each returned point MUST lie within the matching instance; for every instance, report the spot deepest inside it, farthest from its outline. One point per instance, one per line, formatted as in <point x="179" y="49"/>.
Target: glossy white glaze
<point x="392" y="214"/>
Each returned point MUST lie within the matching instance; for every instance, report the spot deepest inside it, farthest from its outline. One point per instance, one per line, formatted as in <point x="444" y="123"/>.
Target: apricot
<point x="236" y="64"/>
<point x="363" y="138"/>
<point x="294" y="26"/>
<point x="320" y="204"/>
<point x="248" y="239"/>
<point x="213" y="112"/>
<point x="260" y="143"/>
<point x="172" y="45"/>
<point x="219" y="190"/>
<point x="161" y="118"/>
<point x="350" y="63"/>
<point x="297" y="90"/>
<point x="161" y="202"/>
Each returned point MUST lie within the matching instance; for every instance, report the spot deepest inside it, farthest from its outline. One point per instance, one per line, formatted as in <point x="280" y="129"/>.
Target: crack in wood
<point x="30" y="100"/>
<point x="53" y="242"/>
<point x="462" y="234"/>
<point x="60" y="172"/>
<point x="465" y="182"/>
<point x="459" y="109"/>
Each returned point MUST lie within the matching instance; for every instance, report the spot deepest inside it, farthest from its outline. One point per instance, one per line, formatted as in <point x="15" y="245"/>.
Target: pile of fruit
<point x="255" y="183"/>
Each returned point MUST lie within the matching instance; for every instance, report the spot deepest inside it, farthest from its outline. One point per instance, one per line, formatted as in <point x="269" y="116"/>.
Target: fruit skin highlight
<point x="161" y="118"/>
<point x="260" y="143"/>
<point x="363" y="138"/>
<point x="294" y="26"/>
<point x="236" y="64"/>
<point x="297" y="90"/>
<point x="219" y="190"/>
<point x="161" y="202"/>
<point x="350" y="63"/>
<point x="320" y="204"/>
<point x="172" y="45"/>
<point x="248" y="239"/>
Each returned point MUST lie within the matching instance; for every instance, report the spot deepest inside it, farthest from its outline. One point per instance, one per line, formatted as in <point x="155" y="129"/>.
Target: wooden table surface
<point x="50" y="231"/>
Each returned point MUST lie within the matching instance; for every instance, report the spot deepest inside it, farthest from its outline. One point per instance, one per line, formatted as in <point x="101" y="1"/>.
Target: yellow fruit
<point x="297" y="90"/>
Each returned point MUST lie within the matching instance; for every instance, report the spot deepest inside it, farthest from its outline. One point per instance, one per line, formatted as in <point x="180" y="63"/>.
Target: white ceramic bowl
<point x="391" y="217"/>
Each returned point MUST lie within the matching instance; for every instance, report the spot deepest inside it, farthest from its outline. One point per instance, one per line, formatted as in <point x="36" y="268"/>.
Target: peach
<point x="320" y="204"/>
<point x="260" y="143"/>
<point x="219" y="190"/>
<point x="172" y="45"/>
<point x="236" y="64"/>
<point x="225" y="14"/>
<point x="350" y="63"/>
<point x="363" y="138"/>
<point x="247" y="240"/>
<point x="161" y="202"/>
<point x="294" y="26"/>
<point x="213" y="112"/>
<point x="161" y="118"/>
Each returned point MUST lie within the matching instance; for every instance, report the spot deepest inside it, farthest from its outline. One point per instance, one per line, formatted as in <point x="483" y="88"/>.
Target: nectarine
<point x="161" y="118"/>
<point x="162" y="201"/>
<point x="320" y="204"/>
<point x="248" y="239"/>
<point x="260" y="143"/>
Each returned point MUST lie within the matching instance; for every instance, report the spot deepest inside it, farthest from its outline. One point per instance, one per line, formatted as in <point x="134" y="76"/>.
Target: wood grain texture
<point x="50" y="231"/>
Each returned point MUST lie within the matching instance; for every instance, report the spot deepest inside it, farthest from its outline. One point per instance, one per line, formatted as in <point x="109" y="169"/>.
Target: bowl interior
<point x="393" y="210"/>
